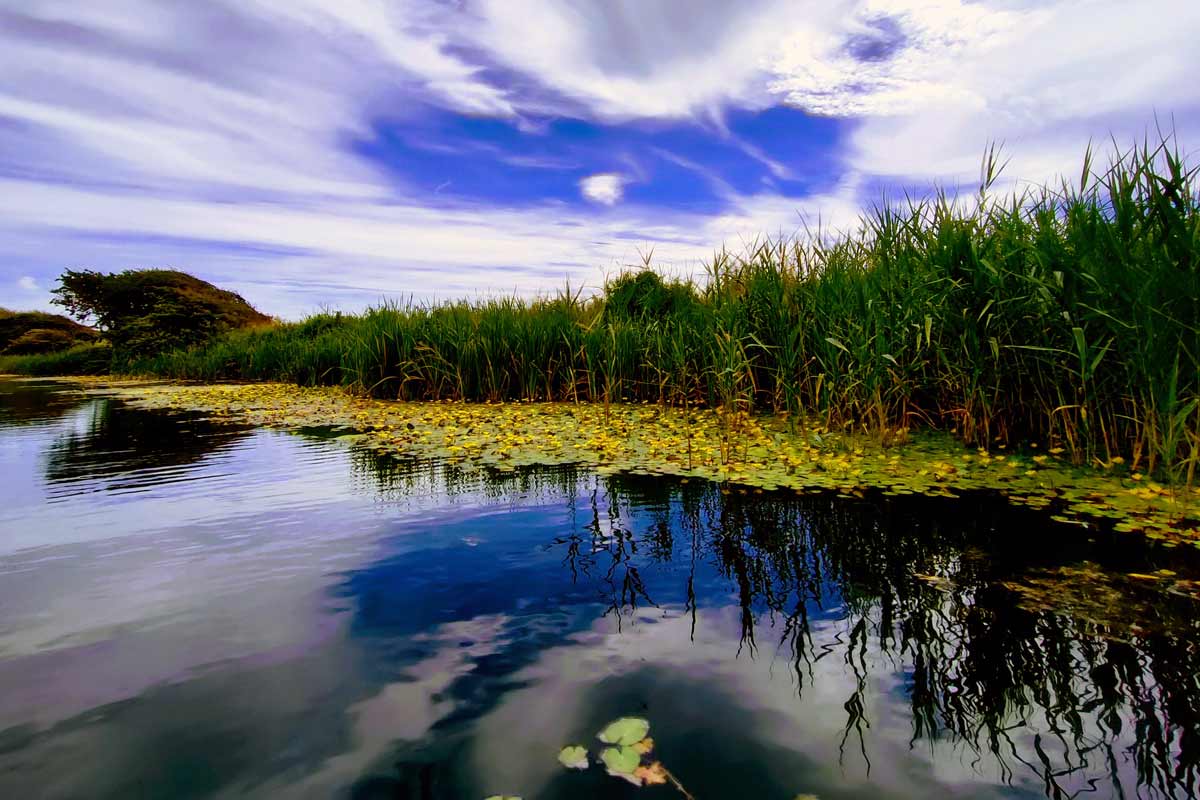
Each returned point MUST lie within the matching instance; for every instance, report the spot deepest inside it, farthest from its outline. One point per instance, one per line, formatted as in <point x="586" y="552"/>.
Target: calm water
<point x="193" y="610"/>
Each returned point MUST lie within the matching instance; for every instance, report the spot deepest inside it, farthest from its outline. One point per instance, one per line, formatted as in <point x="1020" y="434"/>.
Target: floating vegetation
<point x="573" y="757"/>
<point x="1114" y="605"/>
<point x="628" y="755"/>
<point x="625" y="732"/>
<point x="1065" y="315"/>
<point x="746" y="451"/>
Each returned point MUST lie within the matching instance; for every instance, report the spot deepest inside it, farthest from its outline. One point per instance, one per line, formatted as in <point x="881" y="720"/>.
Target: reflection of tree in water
<point x="24" y="402"/>
<point x="921" y="585"/>
<point x="121" y="442"/>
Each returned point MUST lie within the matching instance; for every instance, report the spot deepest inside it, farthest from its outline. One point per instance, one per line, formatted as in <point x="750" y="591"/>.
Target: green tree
<point x="152" y="310"/>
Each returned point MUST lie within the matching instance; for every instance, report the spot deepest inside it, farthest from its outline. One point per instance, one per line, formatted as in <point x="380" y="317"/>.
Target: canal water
<point x="192" y="609"/>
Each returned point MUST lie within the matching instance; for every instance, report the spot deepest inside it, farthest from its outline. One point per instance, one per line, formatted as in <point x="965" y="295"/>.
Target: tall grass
<point x="1067" y="314"/>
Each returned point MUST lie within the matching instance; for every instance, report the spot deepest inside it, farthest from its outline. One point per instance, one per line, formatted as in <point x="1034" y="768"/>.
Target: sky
<point x="330" y="154"/>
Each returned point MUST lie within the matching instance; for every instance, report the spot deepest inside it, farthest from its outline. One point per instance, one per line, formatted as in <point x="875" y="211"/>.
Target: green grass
<point x="83" y="359"/>
<point x="1069" y="315"/>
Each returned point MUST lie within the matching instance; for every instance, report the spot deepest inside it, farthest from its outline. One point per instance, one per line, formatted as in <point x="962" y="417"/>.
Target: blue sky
<point x="312" y="154"/>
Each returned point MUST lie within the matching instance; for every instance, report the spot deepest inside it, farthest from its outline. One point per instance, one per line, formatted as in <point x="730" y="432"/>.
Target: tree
<point x="149" y="311"/>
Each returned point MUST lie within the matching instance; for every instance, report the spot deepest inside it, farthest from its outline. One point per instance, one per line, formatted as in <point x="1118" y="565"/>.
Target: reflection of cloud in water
<point x="715" y="716"/>
<point x="405" y="710"/>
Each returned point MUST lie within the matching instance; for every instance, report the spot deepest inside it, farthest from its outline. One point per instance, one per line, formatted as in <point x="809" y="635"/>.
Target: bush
<point x="27" y="332"/>
<point x="40" y="340"/>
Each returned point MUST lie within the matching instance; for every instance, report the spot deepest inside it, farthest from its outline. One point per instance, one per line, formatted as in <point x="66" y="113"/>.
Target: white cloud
<point x="636" y="58"/>
<point x="930" y="82"/>
<point x="606" y="188"/>
<point x="1043" y="79"/>
<point x="27" y="284"/>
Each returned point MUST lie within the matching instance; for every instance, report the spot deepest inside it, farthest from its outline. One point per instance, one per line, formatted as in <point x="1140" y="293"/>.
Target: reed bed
<point x="1066" y="315"/>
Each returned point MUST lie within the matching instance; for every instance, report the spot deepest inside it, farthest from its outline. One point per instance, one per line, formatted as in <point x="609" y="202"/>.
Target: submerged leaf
<point x="573" y="757"/>
<point x="625" y="731"/>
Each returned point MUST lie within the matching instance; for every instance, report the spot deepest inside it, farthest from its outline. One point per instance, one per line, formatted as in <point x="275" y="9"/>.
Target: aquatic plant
<point x="628" y="755"/>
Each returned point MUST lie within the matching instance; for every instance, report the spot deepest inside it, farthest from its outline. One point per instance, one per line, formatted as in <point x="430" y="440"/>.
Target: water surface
<point x="191" y="609"/>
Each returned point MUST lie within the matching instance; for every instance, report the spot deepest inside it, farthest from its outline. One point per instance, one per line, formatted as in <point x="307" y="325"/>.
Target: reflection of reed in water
<point x="923" y="586"/>
<point x="925" y="590"/>
<point x="400" y="479"/>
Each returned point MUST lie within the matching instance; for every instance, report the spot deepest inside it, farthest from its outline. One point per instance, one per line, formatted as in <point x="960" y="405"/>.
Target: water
<point x="199" y="610"/>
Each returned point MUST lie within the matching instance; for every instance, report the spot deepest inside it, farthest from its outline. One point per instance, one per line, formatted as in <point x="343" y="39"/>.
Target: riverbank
<point x="1066" y="317"/>
<point x="747" y="452"/>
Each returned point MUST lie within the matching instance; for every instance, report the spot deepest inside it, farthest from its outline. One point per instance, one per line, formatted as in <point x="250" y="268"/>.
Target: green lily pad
<point x="503" y="797"/>
<point x="573" y="757"/>
<point x="620" y="760"/>
<point x="625" y="731"/>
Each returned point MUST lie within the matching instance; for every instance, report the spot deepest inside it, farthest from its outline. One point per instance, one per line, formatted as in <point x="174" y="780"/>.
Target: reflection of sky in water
<point x="191" y="611"/>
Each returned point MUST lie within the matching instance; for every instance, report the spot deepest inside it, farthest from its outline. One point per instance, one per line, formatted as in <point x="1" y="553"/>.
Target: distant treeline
<point x="1068" y="314"/>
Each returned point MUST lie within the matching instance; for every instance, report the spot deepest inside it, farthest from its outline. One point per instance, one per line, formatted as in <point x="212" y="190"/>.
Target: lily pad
<point x="625" y="731"/>
<point x="573" y="757"/>
<point x="621" y="760"/>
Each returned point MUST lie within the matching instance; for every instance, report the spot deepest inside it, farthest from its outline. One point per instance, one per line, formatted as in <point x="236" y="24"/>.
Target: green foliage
<point x="643" y="295"/>
<point x="33" y="332"/>
<point x="143" y="312"/>
<point x="84" y="359"/>
<point x="1067" y="316"/>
